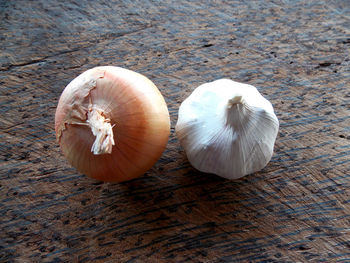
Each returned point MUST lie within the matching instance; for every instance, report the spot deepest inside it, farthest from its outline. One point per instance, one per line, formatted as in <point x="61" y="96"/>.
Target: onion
<point x="112" y="123"/>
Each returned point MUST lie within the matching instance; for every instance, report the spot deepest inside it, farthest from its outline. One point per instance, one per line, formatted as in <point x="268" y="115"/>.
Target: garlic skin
<point x="227" y="128"/>
<point x="112" y="123"/>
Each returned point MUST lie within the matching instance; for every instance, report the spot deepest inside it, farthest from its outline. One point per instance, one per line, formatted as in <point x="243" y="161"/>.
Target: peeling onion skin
<point x="135" y="111"/>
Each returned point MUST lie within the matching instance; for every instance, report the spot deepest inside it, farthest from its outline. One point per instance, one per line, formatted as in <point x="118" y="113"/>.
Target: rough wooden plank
<point x="295" y="210"/>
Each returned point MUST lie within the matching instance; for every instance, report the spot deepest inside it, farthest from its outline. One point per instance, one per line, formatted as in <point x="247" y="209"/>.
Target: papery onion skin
<point x="136" y="111"/>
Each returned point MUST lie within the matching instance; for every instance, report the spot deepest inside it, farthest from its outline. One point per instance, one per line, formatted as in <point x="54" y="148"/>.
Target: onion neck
<point x="103" y="130"/>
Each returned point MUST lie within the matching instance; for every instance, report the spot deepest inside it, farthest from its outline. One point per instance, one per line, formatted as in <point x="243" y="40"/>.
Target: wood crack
<point x="107" y="36"/>
<point x="35" y="61"/>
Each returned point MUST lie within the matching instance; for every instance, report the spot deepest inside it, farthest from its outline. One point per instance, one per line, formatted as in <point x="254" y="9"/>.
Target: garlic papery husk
<point x="112" y="123"/>
<point x="227" y="128"/>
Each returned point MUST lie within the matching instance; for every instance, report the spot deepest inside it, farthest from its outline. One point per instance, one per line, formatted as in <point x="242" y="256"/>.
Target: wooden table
<point x="297" y="209"/>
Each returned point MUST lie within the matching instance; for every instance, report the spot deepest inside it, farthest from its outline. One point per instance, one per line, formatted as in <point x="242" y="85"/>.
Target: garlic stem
<point x="102" y="129"/>
<point x="236" y="100"/>
<point x="236" y="116"/>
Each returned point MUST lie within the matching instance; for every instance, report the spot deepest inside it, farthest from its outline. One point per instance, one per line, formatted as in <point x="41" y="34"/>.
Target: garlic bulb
<point x="227" y="128"/>
<point x="112" y="123"/>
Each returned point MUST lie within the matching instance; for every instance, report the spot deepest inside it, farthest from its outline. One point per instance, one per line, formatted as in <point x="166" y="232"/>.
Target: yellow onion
<point x="112" y="123"/>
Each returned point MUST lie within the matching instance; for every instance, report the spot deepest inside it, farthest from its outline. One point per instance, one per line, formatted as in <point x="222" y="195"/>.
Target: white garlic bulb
<point x="227" y="128"/>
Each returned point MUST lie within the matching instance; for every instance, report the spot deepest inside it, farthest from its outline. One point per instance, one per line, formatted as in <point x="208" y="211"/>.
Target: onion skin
<point x="136" y="111"/>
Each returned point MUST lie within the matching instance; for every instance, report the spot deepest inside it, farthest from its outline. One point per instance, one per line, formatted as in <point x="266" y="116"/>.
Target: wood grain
<point x="296" y="210"/>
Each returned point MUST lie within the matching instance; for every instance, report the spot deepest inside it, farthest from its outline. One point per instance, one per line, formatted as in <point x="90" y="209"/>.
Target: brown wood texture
<point x="297" y="209"/>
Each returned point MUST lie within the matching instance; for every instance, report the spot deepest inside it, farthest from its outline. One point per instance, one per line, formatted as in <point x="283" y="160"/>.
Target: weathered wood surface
<point x="296" y="210"/>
